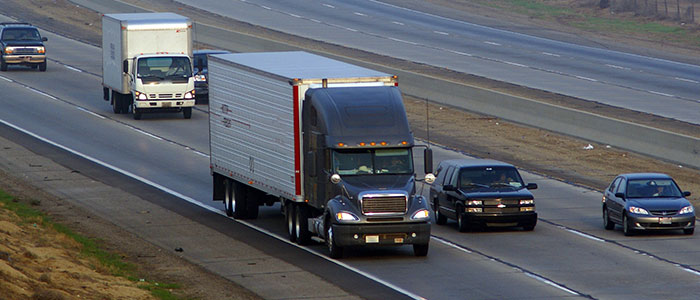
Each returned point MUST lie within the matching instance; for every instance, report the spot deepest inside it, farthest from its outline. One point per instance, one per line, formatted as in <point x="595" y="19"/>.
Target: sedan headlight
<point x="687" y="210"/>
<point x="638" y="210"/>
<point x="421" y="214"/>
<point x="140" y="96"/>
<point x="346" y="216"/>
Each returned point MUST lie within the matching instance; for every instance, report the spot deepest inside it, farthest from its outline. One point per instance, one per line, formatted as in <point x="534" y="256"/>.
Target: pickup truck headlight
<point x="527" y="202"/>
<point x="9" y="50"/>
<point x="475" y="202"/>
<point x="345" y="216"/>
<point x="638" y="210"/>
<point x="686" y="210"/>
<point x="40" y="50"/>
<point x="421" y="214"/>
<point x="140" y="96"/>
<point x="189" y="95"/>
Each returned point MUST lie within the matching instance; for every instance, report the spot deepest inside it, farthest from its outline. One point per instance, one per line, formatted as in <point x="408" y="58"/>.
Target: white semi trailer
<point x="146" y="63"/>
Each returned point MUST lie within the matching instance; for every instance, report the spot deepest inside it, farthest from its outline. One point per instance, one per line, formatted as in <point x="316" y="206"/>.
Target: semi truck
<point x="328" y="140"/>
<point x="146" y="63"/>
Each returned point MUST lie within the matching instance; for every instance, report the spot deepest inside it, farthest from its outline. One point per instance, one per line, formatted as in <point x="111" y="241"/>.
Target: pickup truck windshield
<point x="161" y="68"/>
<point x="20" y="34"/>
<point x="489" y="177"/>
<point x="372" y="161"/>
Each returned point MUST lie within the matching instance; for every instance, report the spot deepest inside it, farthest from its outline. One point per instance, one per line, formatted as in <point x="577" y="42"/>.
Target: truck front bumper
<point x="24" y="59"/>
<point x="381" y="234"/>
<point x="172" y="103"/>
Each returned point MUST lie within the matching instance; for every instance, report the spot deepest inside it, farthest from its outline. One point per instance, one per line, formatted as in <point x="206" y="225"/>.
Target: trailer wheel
<point x="187" y="112"/>
<point x="420" y="249"/>
<point x="290" y="215"/>
<point x="238" y="200"/>
<point x="301" y="224"/>
<point x="251" y="202"/>
<point x="334" y="251"/>
<point x="228" y="202"/>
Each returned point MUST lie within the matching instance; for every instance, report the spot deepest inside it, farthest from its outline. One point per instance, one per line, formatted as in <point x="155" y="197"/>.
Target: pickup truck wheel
<point x="252" y="198"/>
<point x="228" y="201"/>
<point x="290" y="214"/>
<point x="238" y="200"/>
<point x="420" y="249"/>
<point x="187" y="112"/>
<point x="440" y="219"/>
<point x="42" y="67"/>
<point x="301" y="224"/>
<point x="334" y="251"/>
<point x="530" y="226"/>
<point x="3" y="65"/>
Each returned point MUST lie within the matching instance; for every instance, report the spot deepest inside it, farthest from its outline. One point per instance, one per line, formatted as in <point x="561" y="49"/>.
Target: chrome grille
<point x="24" y="51"/>
<point x="663" y="212"/>
<point x="501" y="201"/>
<point x="506" y="210"/>
<point x="384" y="204"/>
<point x="165" y="96"/>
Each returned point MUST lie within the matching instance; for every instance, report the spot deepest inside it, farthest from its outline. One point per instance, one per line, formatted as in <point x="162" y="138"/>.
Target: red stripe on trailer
<point x="297" y="143"/>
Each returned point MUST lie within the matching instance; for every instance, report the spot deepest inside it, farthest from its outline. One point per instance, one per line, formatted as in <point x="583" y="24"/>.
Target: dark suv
<point x="21" y="44"/>
<point x="482" y="192"/>
<point x="201" y="75"/>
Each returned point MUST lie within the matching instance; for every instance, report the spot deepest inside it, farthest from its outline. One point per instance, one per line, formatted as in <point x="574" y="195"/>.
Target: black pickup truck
<point x="21" y="44"/>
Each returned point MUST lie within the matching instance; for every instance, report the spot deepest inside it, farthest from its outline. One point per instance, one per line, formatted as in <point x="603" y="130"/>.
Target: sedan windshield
<point x="489" y="177"/>
<point x="652" y="188"/>
<point x="372" y="161"/>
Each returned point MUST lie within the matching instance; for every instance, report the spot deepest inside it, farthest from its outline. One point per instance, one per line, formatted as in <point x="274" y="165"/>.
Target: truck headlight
<point x="189" y="95"/>
<point x="686" y="210"/>
<point x="421" y="214"/>
<point x="40" y="50"/>
<point x="200" y="77"/>
<point x="475" y="202"/>
<point x="9" y="50"/>
<point x="140" y="96"/>
<point x="346" y="216"/>
<point x="638" y="210"/>
<point x="527" y="202"/>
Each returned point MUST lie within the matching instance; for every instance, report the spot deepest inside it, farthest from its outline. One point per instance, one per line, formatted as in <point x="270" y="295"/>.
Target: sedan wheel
<point x="626" y="229"/>
<point x="607" y="223"/>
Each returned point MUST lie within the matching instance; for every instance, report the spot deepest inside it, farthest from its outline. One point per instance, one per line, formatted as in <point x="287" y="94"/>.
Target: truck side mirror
<point x="428" y="160"/>
<point x="531" y="186"/>
<point x="125" y="66"/>
<point x="620" y="195"/>
<point x="44" y="39"/>
<point x="449" y="188"/>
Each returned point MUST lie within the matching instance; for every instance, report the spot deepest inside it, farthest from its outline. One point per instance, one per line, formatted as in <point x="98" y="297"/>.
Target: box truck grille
<point x="163" y="96"/>
<point x="384" y="204"/>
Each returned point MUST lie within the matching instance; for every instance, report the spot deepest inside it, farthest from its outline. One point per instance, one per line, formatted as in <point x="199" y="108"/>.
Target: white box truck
<point x="327" y="139"/>
<point x="146" y="63"/>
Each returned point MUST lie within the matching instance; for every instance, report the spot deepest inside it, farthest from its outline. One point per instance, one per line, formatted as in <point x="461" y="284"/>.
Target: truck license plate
<point x="372" y="239"/>
<point x="166" y="104"/>
<point x="665" y="220"/>
<point x="26" y="58"/>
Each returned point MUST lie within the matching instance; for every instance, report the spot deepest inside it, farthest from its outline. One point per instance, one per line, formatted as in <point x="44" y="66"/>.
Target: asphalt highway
<point x="567" y="256"/>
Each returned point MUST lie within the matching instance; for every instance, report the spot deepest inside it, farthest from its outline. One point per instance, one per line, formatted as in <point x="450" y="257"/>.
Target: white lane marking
<point x="73" y="69"/>
<point x="92" y="113"/>
<point x="296" y="16"/>
<point x="403" y="41"/>
<point x="584" y="235"/>
<point x="146" y="133"/>
<point x="350" y="29"/>
<point x="551" y="54"/>
<point x="687" y="80"/>
<point x="201" y="153"/>
<point x="211" y="209"/>
<point x="661" y="94"/>
<point x="314" y="20"/>
<point x="492" y="43"/>
<point x="6" y="79"/>
<point x="515" y="64"/>
<point x="328" y="5"/>
<point x="586" y="78"/>
<point x="41" y="93"/>
<point x="689" y="270"/>
<point x="266" y="7"/>
<point x="397" y="23"/>
<point x="617" y="67"/>
<point x="460" y="53"/>
<point x="360" y="14"/>
<point x="450" y="244"/>
<point x="551" y="283"/>
<point x="441" y="32"/>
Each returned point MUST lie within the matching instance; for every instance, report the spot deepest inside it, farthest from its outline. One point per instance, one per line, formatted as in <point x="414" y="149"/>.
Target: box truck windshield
<point x="372" y="161"/>
<point x="164" y="68"/>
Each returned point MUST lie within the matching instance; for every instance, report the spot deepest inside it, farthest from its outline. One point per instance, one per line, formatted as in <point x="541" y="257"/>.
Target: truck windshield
<point x="20" y="34"/>
<point x="171" y="68"/>
<point x="372" y="161"/>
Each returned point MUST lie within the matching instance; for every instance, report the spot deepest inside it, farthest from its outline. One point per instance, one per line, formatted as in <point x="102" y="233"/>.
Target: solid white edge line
<point x="584" y="235"/>
<point x="40" y="93"/>
<point x="296" y="16"/>
<point x="207" y="207"/>
<point x="450" y="244"/>
<point x="551" y="283"/>
<point x="6" y="79"/>
<point x="92" y="113"/>
<point x="71" y="68"/>
<point x="661" y="94"/>
<point x="690" y="271"/>
<point x="147" y="134"/>
<point x="266" y="7"/>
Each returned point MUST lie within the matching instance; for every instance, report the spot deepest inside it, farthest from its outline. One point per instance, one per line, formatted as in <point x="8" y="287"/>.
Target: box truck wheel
<point x="301" y="224"/>
<point x="136" y="112"/>
<point x="420" y="249"/>
<point x="290" y="214"/>
<point x="187" y="112"/>
<point x="334" y="251"/>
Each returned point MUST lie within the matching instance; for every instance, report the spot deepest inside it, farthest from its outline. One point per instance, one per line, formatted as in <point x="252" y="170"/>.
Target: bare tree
<point x="678" y="9"/>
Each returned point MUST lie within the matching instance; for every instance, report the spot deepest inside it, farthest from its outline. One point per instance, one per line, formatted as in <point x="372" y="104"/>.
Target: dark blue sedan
<point x="647" y="201"/>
